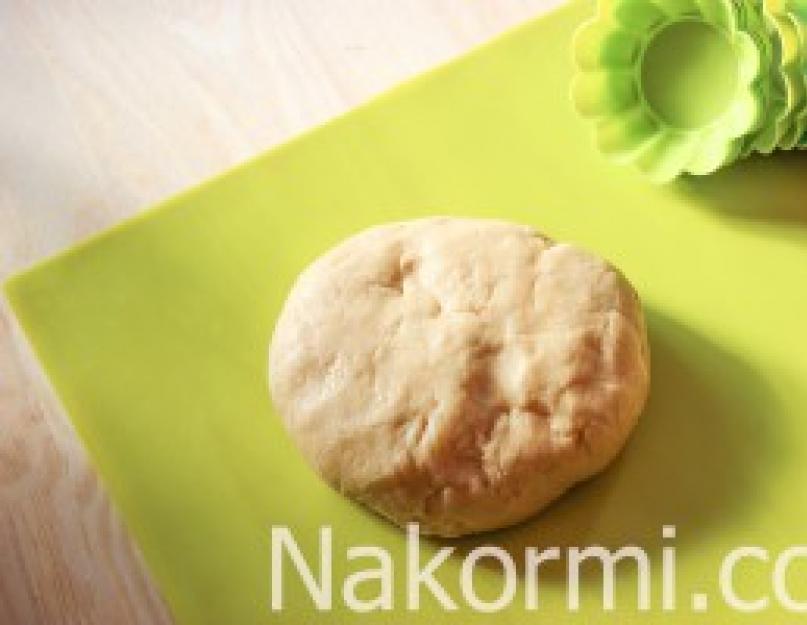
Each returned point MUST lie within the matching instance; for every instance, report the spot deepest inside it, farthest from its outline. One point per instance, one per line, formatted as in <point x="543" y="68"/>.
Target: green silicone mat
<point x="155" y="336"/>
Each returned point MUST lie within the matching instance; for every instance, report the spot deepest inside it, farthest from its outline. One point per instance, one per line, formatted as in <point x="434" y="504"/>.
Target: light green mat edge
<point x="155" y="335"/>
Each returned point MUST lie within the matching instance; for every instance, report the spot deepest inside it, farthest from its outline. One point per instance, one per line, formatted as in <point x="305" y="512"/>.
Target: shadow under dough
<point x="761" y="188"/>
<point x="704" y="441"/>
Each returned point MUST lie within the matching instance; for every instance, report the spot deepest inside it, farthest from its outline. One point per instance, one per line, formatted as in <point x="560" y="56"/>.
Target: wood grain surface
<point x="107" y="106"/>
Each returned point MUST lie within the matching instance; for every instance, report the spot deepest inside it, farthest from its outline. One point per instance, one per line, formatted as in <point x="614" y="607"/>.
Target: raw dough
<point x="459" y="373"/>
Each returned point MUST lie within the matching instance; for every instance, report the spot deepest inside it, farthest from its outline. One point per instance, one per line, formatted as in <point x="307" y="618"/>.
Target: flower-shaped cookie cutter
<point x="674" y="86"/>
<point x="791" y="65"/>
<point x="797" y="11"/>
<point x="758" y="24"/>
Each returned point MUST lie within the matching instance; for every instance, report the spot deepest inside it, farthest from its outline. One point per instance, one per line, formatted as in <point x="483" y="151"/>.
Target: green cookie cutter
<point x="787" y="33"/>
<point x="797" y="10"/>
<point x="758" y="24"/>
<point x="636" y="80"/>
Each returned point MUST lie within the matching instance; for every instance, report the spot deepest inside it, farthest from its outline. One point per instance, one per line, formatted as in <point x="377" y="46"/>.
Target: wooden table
<point x="107" y="106"/>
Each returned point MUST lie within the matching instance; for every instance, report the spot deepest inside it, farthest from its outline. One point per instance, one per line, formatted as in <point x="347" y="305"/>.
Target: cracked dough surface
<point x="459" y="373"/>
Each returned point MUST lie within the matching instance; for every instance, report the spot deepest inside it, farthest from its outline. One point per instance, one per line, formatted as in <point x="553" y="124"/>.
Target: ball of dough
<point x="459" y="373"/>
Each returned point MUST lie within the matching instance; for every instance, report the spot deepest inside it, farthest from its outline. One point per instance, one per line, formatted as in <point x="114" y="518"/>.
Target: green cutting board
<point x="155" y="336"/>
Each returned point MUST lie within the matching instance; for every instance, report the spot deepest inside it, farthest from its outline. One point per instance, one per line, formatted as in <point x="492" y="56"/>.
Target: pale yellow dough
<point x="459" y="373"/>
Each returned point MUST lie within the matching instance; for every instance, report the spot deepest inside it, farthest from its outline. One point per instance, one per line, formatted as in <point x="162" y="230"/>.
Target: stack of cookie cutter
<point x="689" y="86"/>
